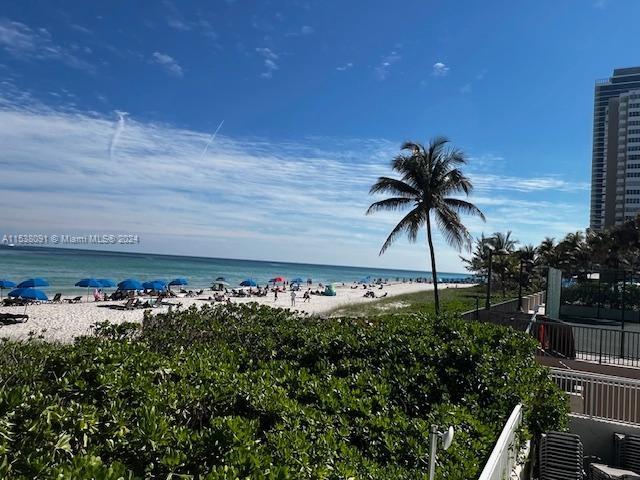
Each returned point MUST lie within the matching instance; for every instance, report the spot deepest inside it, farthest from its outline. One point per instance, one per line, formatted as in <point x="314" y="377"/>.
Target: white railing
<point x="601" y="396"/>
<point x="504" y="456"/>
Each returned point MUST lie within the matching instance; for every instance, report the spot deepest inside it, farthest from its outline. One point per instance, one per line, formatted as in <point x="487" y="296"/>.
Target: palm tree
<point x="505" y="264"/>
<point x="428" y="178"/>
<point x="547" y="251"/>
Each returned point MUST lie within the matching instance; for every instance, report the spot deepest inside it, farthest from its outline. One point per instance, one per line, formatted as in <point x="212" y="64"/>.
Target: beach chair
<point x="57" y="298"/>
<point x="130" y="304"/>
<point x="75" y="300"/>
<point x="11" y="318"/>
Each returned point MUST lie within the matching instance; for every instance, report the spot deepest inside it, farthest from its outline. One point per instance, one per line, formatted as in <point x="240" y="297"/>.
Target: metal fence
<point x="593" y="344"/>
<point x="504" y="456"/>
<point x="529" y="303"/>
<point x="601" y="396"/>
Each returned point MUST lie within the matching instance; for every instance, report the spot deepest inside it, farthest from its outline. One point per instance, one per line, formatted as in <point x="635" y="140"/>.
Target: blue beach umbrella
<point x="155" y="285"/>
<point x="107" y="282"/>
<point x="6" y="284"/>
<point x="33" y="282"/>
<point x="130" y="284"/>
<point x="89" y="283"/>
<point x="366" y="279"/>
<point x="28" y="293"/>
<point x="297" y="280"/>
<point x="249" y="282"/>
<point x="179" y="281"/>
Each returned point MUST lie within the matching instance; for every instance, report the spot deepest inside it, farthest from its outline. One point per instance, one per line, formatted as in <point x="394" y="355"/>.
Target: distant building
<point x="615" y="168"/>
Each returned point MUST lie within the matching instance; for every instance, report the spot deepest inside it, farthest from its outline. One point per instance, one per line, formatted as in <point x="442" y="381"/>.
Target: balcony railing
<point x="504" y="457"/>
<point x="601" y="396"/>
<point x="592" y="344"/>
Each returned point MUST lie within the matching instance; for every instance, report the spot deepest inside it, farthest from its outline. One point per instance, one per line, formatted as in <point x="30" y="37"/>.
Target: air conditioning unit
<point x="627" y="451"/>
<point x="598" y="471"/>
<point x="561" y="456"/>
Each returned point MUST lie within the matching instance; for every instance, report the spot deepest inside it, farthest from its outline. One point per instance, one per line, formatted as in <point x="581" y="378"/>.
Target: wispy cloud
<point x="169" y="63"/>
<point x="269" y="61"/>
<point x="307" y="30"/>
<point x="25" y="43"/>
<point x="240" y="198"/>
<point x="116" y="133"/>
<point x="383" y="69"/>
<point x="176" y="20"/>
<point x="346" y="66"/>
<point x="466" y="88"/>
<point x="440" y="69"/>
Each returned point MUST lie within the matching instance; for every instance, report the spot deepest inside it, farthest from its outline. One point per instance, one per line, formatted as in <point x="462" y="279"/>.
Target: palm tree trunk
<point x="434" y="274"/>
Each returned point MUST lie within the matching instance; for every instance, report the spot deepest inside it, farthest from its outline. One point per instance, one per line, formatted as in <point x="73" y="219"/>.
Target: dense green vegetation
<point x="245" y="391"/>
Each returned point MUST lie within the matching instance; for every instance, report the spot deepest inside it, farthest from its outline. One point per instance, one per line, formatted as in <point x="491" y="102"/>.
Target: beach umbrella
<point x="366" y="279"/>
<point x="89" y="283"/>
<point x="28" y="293"/>
<point x="6" y="284"/>
<point x="33" y="282"/>
<point x="107" y="282"/>
<point x="297" y="280"/>
<point x="155" y="285"/>
<point x="179" y="281"/>
<point x="249" y="282"/>
<point x="277" y="280"/>
<point x="130" y="284"/>
<point x="221" y="279"/>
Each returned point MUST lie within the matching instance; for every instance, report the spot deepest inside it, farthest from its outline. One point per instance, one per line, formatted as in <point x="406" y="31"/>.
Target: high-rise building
<point x="615" y="168"/>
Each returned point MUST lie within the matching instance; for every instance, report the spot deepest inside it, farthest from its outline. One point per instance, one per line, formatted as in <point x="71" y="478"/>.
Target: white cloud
<point x="25" y="43"/>
<point x="466" y="88"/>
<point x="269" y="61"/>
<point x="440" y="69"/>
<point x="250" y="198"/>
<point x="169" y="63"/>
<point x="307" y="30"/>
<point x="346" y="66"/>
<point x="383" y="70"/>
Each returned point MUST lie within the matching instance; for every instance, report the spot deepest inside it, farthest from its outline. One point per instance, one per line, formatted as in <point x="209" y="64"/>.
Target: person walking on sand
<point x="275" y="294"/>
<point x="293" y="298"/>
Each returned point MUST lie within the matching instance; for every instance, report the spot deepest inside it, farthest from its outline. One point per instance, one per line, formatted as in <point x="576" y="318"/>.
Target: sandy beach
<point x="64" y="321"/>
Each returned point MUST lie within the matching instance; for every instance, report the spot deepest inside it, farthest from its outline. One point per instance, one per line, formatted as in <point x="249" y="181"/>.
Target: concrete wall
<point x="597" y="435"/>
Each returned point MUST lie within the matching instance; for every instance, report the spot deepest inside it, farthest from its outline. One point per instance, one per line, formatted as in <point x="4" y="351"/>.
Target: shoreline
<point x="64" y="321"/>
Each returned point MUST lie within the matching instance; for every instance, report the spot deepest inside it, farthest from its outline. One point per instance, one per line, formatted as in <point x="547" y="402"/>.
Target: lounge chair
<point x="73" y="300"/>
<point x="130" y="304"/>
<point x="57" y="298"/>
<point x="11" y="318"/>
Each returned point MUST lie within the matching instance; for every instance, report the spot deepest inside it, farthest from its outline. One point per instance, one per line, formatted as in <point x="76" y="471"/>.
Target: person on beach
<point x="307" y="295"/>
<point x="293" y="298"/>
<point x="275" y="294"/>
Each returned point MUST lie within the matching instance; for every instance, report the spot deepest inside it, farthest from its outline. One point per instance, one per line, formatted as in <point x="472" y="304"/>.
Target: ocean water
<point x="62" y="268"/>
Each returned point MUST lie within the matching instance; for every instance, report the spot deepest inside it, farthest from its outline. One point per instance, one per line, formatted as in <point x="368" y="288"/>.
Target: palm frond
<point x="410" y="225"/>
<point x="394" y="203"/>
<point x="394" y="186"/>
<point x="452" y="229"/>
<point x="463" y="206"/>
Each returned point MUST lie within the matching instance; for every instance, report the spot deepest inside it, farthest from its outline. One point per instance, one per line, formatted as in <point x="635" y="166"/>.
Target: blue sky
<point x="106" y="110"/>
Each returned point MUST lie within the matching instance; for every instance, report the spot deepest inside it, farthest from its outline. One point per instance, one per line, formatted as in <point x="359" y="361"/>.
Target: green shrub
<point x="246" y="391"/>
